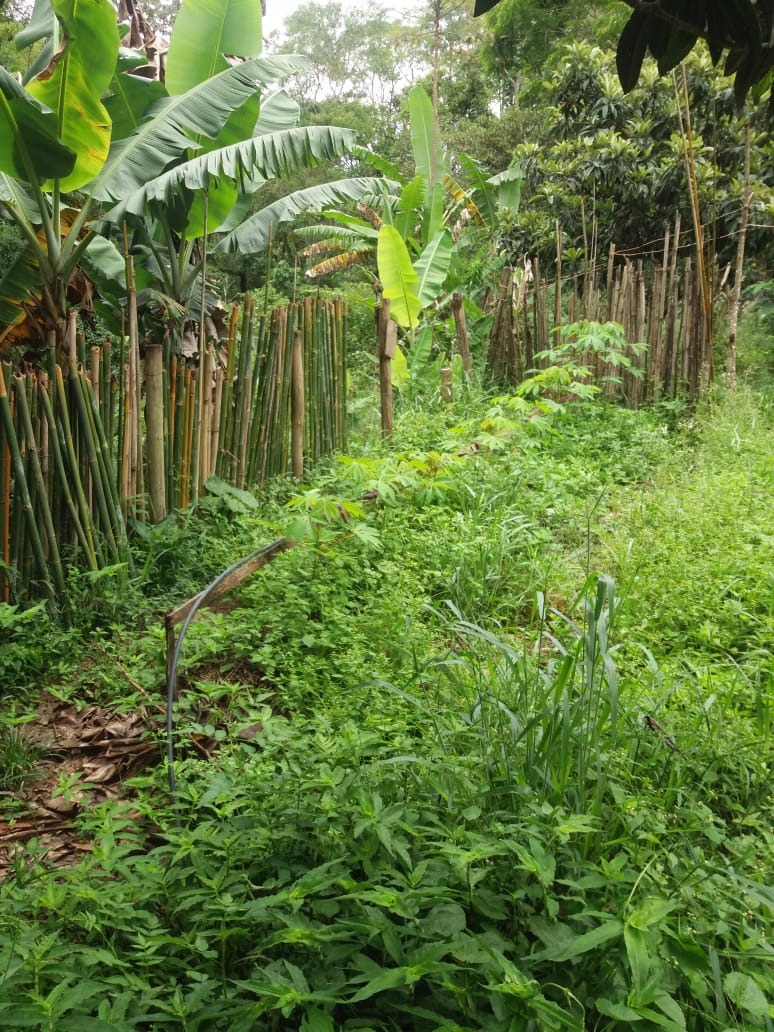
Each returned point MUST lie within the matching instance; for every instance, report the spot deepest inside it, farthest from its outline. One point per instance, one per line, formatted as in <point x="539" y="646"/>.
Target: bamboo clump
<point x="662" y="306"/>
<point x="86" y="449"/>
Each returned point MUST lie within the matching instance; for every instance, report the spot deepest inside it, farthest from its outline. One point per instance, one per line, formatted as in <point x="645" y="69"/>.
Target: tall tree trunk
<point x="736" y="295"/>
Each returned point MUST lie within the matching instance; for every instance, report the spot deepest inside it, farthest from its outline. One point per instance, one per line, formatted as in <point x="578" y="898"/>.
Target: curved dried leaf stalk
<point x="373" y="216"/>
<point x="337" y="263"/>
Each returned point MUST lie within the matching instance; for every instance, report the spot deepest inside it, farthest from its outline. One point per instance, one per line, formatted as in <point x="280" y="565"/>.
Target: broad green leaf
<point x="316" y="1020"/>
<point x="253" y="234"/>
<point x="164" y="137"/>
<point x="206" y="30"/>
<point x="278" y="111"/>
<point x="73" y="83"/>
<point x="421" y="350"/>
<point x="106" y="266"/>
<point x="508" y="185"/>
<point x="29" y="142"/>
<point x="484" y="196"/>
<point x="388" y="170"/>
<point x="270" y="156"/>
<point x="400" y="280"/>
<point x="399" y="370"/>
<point x="444" y="921"/>
<point x="208" y="213"/>
<point x="19" y="284"/>
<point x="583" y="943"/>
<point x="432" y="220"/>
<point x="743" y="991"/>
<point x="432" y="267"/>
<point x="639" y="958"/>
<point x="129" y="99"/>
<point x="44" y="27"/>
<point x="409" y="206"/>
<point x="651" y="912"/>
<point x="425" y="144"/>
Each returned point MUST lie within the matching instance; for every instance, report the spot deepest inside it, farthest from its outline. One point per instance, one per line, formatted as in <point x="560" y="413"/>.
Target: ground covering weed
<point x="486" y="785"/>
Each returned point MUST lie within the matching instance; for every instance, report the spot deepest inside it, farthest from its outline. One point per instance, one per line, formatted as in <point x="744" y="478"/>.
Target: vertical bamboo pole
<point x="609" y="281"/>
<point x="736" y="293"/>
<point x="558" y="288"/>
<point x="21" y="488"/>
<point x="297" y="406"/>
<point x="461" y="327"/>
<point x="154" y="430"/>
<point x="386" y="343"/>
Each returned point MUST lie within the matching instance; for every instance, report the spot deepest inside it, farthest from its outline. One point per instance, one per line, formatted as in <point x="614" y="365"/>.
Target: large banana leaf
<point x="278" y="111"/>
<point x="408" y="208"/>
<point x="41" y="28"/>
<point x="400" y="281"/>
<point x="252" y="236"/>
<point x="432" y="267"/>
<point x="129" y="96"/>
<point x="485" y="197"/>
<point x="270" y="156"/>
<point x="508" y="185"/>
<point x="426" y="145"/>
<point x="433" y="217"/>
<point x="15" y="196"/>
<point x="206" y="30"/>
<point x="163" y="138"/>
<point x="29" y="142"/>
<point x="74" y="81"/>
<point x="20" y="284"/>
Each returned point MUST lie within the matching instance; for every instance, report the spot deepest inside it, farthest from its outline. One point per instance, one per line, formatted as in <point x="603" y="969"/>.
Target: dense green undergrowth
<point x="509" y="764"/>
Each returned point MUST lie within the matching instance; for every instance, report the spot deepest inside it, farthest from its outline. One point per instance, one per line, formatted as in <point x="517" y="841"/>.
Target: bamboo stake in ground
<point x="386" y="347"/>
<point x="297" y="406"/>
<point x="154" y="431"/>
<point x="461" y="326"/>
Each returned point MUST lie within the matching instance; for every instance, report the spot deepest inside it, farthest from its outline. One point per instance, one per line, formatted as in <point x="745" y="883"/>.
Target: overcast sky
<point x="278" y="10"/>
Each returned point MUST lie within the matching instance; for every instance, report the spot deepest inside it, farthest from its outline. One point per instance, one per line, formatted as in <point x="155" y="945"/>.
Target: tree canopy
<point x="742" y="31"/>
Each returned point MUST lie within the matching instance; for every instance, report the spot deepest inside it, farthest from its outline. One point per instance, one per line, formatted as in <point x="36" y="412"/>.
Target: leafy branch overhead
<point x="740" y="30"/>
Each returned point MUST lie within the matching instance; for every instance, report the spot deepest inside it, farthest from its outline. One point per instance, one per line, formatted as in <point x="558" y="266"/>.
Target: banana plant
<point x="422" y="209"/>
<point x="85" y="134"/>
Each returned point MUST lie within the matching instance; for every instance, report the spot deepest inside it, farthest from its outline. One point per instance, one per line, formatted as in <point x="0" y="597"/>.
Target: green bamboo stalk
<point x="106" y="465"/>
<point x="179" y="429"/>
<point x="223" y="467"/>
<point x="82" y="533"/>
<point x="21" y="488"/>
<point x="234" y="433"/>
<point x="242" y="415"/>
<point x="64" y="429"/>
<point x="40" y="491"/>
<point x="259" y="394"/>
<point x="93" y="461"/>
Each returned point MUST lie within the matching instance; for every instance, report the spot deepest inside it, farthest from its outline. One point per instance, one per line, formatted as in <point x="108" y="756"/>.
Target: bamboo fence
<point x="91" y="443"/>
<point x="661" y="305"/>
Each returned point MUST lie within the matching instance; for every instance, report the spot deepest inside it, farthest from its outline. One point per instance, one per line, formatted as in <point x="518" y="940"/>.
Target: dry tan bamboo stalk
<point x="297" y="406"/>
<point x="220" y="376"/>
<point x="461" y="326"/>
<point x="205" y="425"/>
<point x="386" y="350"/>
<point x="154" y="428"/>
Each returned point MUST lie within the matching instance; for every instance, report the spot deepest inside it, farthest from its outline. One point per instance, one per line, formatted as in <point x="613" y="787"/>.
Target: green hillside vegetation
<point x="485" y="738"/>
